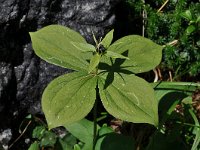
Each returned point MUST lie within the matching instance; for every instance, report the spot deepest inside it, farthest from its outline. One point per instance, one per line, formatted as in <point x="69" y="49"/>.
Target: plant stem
<point x="95" y="118"/>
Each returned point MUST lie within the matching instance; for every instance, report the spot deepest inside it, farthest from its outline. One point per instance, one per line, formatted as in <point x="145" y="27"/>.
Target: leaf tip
<point x="31" y="33"/>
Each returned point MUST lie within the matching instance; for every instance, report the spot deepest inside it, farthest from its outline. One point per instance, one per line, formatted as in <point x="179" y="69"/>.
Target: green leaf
<point x="108" y="39"/>
<point x="34" y="146"/>
<point x="108" y="140"/>
<point x="187" y="100"/>
<point x="187" y="15"/>
<point x="66" y="143"/>
<point x="103" y="131"/>
<point x="198" y="19"/>
<point x="38" y="132"/>
<point x="94" y="62"/>
<point x="88" y="146"/>
<point x="84" y="47"/>
<point x="143" y="54"/>
<point x="168" y="94"/>
<point x="77" y="147"/>
<point x="83" y="130"/>
<point x="178" y="86"/>
<point x="115" y="55"/>
<point x="49" y="139"/>
<point x="190" y="29"/>
<point x="68" y="98"/>
<point x="129" y="98"/>
<point x="54" y="44"/>
<point x="197" y="137"/>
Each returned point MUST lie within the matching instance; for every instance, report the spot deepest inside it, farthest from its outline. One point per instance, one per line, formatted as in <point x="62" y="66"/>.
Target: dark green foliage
<point x="178" y="20"/>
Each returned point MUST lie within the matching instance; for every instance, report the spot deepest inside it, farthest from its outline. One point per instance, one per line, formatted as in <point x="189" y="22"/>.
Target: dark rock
<point x="23" y="76"/>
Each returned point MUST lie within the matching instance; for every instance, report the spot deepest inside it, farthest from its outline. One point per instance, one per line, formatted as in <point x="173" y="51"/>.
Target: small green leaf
<point x="129" y="98"/>
<point x="190" y="29"/>
<point x="108" y="39"/>
<point x="49" y="139"/>
<point x="38" y="132"/>
<point x="103" y="131"/>
<point x="84" y="47"/>
<point x="187" y="100"/>
<point x="187" y="15"/>
<point x="54" y="44"/>
<point x="29" y="116"/>
<point x="115" y="55"/>
<point x="77" y="147"/>
<point x="143" y="54"/>
<point x="94" y="62"/>
<point x="68" y="98"/>
<point x="66" y="143"/>
<point x="34" y="146"/>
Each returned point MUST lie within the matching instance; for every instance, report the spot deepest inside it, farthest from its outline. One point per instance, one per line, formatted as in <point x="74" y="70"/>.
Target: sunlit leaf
<point x="108" y="39"/>
<point x="129" y="98"/>
<point x="84" y="47"/>
<point x="68" y="98"/>
<point x="143" y="54"/>
<point x="54" y="44"/>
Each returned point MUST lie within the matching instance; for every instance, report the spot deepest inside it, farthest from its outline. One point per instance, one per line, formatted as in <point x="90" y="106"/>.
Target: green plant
<point x="47" y="139"/>
<point x="105" y="72"/>
<point x="80" y="137"/>
<point x="179" y="126"/>
<point x="169" y="21"/>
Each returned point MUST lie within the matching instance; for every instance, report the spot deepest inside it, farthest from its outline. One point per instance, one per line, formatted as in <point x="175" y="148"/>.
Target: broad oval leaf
<point x="53" y="44"/>
<point x="144" y="55"/>
<point x="68" y="98"/>
<point x="129" y="98"/>
<point x="108" y="39"/>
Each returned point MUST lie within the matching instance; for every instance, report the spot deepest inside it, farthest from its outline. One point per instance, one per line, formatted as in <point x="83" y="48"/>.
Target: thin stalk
<point x="188" y="124"/>
<point x="165" y="3"/>
<point x="144" y="17"/>
<point x="95" y="118"/>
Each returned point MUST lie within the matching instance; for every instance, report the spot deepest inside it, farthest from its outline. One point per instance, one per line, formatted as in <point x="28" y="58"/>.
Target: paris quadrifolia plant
<point x="105" y="72"/>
